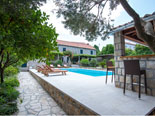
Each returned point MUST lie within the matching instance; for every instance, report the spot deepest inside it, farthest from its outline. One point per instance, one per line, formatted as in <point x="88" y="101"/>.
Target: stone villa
<point x="76" y="47"/>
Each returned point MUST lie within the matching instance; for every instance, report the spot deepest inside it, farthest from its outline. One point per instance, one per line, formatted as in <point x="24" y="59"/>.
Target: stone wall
<point x="76" y="50"/>
<point x="67" y="103"/>
<point x="147" y="62"/>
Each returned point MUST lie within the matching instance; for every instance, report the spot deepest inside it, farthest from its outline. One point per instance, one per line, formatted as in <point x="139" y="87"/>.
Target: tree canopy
<point x="24" y="33"/>
<point x="86" y="18"/>
<point x="80" y="19"/>
<point x="142" y="50"/>
<point x="139" y="50"/>
<point x="129" y="52"/>
<point x="108" y="49"/>
<point x="97" y="49"/>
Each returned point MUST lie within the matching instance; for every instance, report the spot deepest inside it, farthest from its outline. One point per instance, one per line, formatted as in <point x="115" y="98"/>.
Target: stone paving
<point x="34" y="100"/>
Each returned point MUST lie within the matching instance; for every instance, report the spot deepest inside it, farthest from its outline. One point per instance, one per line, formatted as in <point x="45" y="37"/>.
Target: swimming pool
<point x="87" y="71"/>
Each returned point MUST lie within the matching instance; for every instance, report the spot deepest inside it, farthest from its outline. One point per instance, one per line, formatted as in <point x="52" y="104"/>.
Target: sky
<point x="120" y="16"/>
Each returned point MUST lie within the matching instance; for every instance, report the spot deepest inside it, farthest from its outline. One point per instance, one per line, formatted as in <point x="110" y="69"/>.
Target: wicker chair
<point x="110" y="67"/>
<point x="132" y="67"/>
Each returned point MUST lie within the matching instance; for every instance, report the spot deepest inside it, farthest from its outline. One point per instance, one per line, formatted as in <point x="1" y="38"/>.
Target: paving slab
<point x="104" y="99"/>
<point x="35" y="100"/>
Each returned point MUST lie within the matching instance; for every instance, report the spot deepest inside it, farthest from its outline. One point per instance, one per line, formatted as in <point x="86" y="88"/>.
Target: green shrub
<point x="84" y="55"/>
<point x="67" y="53"/>
<point x="129" y="52"/>
<point x="11" y="81"/>
<point x="2" y="100"/>
<point x="58" y="62"/>
<point x="113" y="61"/>
<point x="84" y="62"/>
<point x="93" y="63"/>
<point x="8" y="96"/>
<point x="103" y="63"/>
<point x="8" y="103"/>
<point x="8" y="108"/>
<point x="9" y="93"/>
<point x="9" y="71"/>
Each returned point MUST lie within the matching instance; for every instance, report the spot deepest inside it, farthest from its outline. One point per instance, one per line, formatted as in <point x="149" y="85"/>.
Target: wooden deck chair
<point x="59" y="66"/>
<point x="52" y="66"/>
<point x="65" y="66"/>
<point x="52" y="70"/>
<point x="41" y="69"/>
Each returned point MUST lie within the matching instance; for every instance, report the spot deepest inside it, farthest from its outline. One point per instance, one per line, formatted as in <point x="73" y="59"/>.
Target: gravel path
<point x="35" y="100"/>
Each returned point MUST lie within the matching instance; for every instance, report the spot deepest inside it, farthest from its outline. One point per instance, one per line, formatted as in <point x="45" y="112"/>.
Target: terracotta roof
<point x="75" y="44"/>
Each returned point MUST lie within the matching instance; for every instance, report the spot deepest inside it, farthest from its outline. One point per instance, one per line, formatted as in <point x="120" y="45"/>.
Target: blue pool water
<point x="87" y="71"/>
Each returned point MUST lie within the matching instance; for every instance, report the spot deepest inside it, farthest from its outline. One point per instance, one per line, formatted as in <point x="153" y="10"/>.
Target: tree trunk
<point x="2" y="75"/>
<point x="7" y="62"/>
<point x="148" y="39"/>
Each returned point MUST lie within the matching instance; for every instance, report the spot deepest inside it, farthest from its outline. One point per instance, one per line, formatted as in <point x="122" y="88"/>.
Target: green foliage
<point x="129" y="52"/>
<point x="2" y="100"/>
<point x="80" y="19"/>
<point x="8" y="108"/>
<point x="12" y="81"/>
<point x="97" y="50"/>
<point x="12" y="5"/>
<point x="139" y="50"/>
<point x="93" y="63"/>
<point x="24" y="33"/>
<point x="8" y="96"/>
<point x="56" y="53"/>
<point x="58" y="62"/>
<point x="84" y="55"/>
<point x="9" y="93"/>
<point x="28" y="35"/>
<point x="142" y="50"/>
<point x="108" y="49"/>
<point x="10" y="71"/>
<point x="19" y="63"/>
<point x="84" y="62"/>
<point x="53" y="56"/>
<point x="103" y="63"/>
<point x="113" y="61"/>
<point x="67" y="53"/>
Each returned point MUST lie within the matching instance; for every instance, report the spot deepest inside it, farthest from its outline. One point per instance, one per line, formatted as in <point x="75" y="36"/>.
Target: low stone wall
<point x="67" y="103"/>
<point x="147" y="62"/>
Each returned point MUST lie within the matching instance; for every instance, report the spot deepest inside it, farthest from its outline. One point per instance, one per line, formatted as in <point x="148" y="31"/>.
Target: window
<point x="81" y="51"/>
<point x="64" y="49"/>
<point x="91" y="52"/>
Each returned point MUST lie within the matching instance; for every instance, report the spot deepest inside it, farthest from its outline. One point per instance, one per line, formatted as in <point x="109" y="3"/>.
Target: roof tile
<point x="75" y="44"/>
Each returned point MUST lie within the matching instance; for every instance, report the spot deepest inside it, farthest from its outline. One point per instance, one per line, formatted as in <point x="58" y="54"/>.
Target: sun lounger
<point x="65" y="66"/>
<point x="52" y="66"/>
<point x="52" y="70"/>
<point x="39" y="68"/>
<point x="59" y="66"/>
<point x="42" y="70"/>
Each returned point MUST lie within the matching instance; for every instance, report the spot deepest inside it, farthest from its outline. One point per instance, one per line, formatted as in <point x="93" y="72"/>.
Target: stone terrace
<point x="35" y="100"/>
<point x="93" y="93"/>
